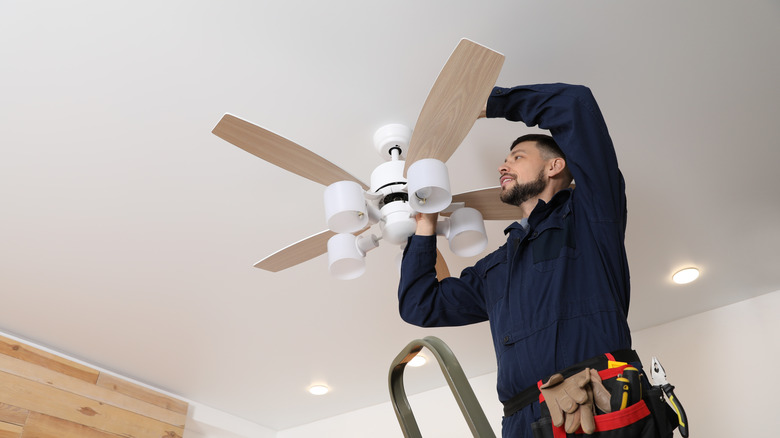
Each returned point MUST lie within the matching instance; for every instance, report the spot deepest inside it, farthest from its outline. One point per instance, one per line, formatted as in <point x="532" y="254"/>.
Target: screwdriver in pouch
<point x="620" y="392"/>
<point x="627" y="391"/>
<point x="634" y="384"/>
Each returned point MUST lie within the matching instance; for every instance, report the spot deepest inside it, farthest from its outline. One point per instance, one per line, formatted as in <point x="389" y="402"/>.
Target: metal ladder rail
<point x="456" y="379"/>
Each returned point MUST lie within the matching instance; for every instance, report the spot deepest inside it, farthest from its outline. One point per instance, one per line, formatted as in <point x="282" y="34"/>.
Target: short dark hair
<point x="546" y="144"/>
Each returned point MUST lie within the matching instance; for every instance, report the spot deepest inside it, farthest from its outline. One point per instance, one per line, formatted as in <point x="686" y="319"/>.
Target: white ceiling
<point x="129" y="231"/>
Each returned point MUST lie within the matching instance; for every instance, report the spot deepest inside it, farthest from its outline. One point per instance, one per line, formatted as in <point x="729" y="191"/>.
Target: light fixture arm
<point x="443" y="227"/>
<point x="374" y="215"/>
<point x="366" y="243"/>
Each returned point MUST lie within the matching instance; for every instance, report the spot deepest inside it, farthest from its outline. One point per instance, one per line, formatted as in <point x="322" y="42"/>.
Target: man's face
<point x="522" y="174"/>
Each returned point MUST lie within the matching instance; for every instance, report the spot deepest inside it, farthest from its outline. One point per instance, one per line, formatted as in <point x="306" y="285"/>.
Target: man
<point x="557" y="292"/>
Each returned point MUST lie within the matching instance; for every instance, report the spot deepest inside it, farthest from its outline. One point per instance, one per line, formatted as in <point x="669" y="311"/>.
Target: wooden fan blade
<point x="299" y="252"/>
<point x="455" y="101"/>
<point x="280" y="151"/>
<point x="442" y="271"/>
<point x="488" y="202"/>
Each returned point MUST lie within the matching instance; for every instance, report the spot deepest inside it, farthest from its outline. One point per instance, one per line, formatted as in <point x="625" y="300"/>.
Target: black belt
<point x="600" y="362"/>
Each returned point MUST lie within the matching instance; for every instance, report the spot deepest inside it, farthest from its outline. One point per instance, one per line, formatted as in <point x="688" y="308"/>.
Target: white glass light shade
<point x="345" y="260"/>
<point x="398" y="223"/>
<point x="466" y="232"/>
<point x="428" y="184"/>
<point x="346" y="254"/>
<point x="345" y="207"/>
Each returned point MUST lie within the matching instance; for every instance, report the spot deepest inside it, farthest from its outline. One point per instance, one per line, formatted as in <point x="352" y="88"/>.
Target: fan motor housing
<point x="388" y="178"/>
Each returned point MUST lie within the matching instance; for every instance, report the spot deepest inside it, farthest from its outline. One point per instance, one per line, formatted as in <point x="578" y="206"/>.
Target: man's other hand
<point x="426" y="224"/>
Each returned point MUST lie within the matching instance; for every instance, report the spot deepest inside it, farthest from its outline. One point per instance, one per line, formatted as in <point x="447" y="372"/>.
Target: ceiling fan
<point x="449" y="112"/>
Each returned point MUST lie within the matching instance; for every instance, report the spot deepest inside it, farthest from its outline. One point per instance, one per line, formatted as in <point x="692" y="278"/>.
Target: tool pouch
<point x="645" y="417"/>
<point x="663" y="415"/>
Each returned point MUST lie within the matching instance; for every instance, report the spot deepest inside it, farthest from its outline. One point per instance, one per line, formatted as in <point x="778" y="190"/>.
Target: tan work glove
<point x="601" y="395"/>
<point x="570" y="400"/>
<point x="564" y="397"/>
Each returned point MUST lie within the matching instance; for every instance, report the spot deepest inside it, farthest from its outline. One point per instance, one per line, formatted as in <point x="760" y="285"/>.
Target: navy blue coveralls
<point x="558" y="293"/>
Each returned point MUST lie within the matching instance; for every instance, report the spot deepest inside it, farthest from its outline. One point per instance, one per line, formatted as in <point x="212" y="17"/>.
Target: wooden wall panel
<point x="45" y="359"/>
<point x="44" y="426"/>
<point x="42" y="396"/>
<point x="13" y="414"/>
<point x="139" y="392"/>
<point x="8" y="430"/>
<point x="98" y="393"/>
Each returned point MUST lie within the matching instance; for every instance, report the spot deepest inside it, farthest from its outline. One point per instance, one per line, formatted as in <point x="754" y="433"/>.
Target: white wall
<point x="722" y="363"/>
<point x="206" y="422"/>
<point x="436" y="412"/>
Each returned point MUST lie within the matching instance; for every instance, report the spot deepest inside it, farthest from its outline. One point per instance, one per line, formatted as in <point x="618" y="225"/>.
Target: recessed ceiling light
<point x="417" y="361"/>
<point x="686" y="275"/>
<point x="318" y="389"/>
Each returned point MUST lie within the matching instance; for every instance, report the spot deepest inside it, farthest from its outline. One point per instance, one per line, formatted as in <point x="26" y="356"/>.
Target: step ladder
<point x="456" y="379"/>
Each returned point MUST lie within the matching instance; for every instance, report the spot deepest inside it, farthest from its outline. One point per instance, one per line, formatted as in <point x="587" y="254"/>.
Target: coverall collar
<point x="543" y="210"/>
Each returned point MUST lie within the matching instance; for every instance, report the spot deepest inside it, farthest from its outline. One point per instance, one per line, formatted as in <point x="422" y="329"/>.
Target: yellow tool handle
<point x="626" y="389"/>
<point x="681" y="417"/>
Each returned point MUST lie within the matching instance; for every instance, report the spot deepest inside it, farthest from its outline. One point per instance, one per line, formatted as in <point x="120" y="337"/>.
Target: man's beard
<point x="520" y="193"/>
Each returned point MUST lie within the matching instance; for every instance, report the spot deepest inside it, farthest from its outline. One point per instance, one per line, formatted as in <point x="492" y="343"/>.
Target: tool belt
<point x="600" y="362"/>
<point x="643" y="414"/>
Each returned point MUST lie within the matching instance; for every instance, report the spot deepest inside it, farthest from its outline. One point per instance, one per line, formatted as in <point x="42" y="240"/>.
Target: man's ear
<point x="555" y="166"/>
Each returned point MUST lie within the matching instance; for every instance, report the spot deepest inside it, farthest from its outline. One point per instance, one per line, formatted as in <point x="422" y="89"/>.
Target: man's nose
<point x="502" y="168"/>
